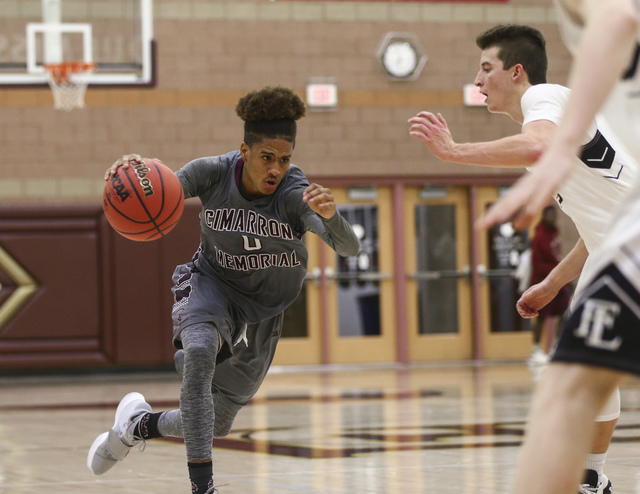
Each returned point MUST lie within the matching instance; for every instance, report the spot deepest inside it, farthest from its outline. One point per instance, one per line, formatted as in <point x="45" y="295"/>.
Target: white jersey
<point x="622" y="111"/>
<point x="606" y="173"/>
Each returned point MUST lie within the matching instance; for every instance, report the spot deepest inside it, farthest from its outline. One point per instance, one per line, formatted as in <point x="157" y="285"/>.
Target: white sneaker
<point x="113" y="446"/>
<point x="595" y="484"/>
<point x="538" y="357"/>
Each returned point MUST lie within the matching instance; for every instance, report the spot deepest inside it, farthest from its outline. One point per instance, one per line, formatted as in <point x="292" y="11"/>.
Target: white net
<point x="68" y="82"/>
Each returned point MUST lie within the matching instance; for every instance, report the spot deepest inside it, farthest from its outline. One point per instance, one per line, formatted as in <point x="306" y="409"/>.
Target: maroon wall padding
<point x="101" y="299"/>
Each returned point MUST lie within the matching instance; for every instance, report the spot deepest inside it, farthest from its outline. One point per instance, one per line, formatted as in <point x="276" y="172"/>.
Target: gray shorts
<point x="198" y="298"/>
<point x="239" y="377"/>
<point x="242" y="363"/>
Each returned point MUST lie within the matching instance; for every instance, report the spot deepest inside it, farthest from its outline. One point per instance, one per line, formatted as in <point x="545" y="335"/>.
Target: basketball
<point x="144" y="201"/>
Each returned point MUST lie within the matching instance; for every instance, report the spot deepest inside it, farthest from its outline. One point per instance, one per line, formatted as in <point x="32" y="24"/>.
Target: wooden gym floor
<point x="447" y="428"/>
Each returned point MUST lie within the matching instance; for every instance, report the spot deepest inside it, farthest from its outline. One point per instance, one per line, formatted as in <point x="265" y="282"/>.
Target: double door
<point x="425" y="286"/>
<point x="345" y="312"/>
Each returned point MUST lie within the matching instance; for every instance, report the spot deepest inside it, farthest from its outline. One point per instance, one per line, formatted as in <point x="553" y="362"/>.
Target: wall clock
<point x="400" y="59"/>
<point x="401" y="56"/>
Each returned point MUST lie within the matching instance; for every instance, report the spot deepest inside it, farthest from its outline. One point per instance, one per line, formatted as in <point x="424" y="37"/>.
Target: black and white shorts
<point x="604" y="328"/>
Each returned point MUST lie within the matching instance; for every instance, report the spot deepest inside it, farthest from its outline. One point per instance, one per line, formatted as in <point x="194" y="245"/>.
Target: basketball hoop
<point x="69" y="81"/>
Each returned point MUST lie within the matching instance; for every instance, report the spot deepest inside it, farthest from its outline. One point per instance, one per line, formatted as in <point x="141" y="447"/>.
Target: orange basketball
<point x="143" y="201"/>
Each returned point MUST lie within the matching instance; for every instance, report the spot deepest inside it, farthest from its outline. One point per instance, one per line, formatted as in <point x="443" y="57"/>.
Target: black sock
<point x="147" y="428"/>
<point x="201" y="475"/>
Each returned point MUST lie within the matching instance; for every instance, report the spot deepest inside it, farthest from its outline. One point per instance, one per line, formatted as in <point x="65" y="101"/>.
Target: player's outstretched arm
<point x="434" y="132"/>
<point x="327" y="222"/>
<point x="124" y="161"/>
<point x="514" y="151"/>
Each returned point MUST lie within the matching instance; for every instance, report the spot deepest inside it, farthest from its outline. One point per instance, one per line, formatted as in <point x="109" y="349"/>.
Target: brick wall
<point x="211" y="52"/>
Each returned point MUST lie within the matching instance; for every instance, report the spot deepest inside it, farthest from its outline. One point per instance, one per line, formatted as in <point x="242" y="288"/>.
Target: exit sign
<point x="473" y="96"/>
<point x="322" y="96"/>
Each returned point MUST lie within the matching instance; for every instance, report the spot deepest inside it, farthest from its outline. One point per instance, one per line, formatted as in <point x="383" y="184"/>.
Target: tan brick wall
<point x="212" y="52"/>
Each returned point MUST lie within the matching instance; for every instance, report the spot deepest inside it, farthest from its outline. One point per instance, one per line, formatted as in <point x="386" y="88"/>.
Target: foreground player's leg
<point x="561" y="428"/>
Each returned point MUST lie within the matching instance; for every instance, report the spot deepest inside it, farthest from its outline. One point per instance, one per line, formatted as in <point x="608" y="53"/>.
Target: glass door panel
<point x="438" y="275"/>
<point x="504" y="333"/>
<point x="300" y="342"/>
<point x="358" y="280"/>
<point x="295" y="321"/>
<point x="360" y="289"/>
<point x="505" y="246"/>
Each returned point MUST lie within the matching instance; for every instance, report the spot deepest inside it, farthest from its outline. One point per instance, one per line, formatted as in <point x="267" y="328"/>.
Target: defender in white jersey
<point x="229" y="301"/>
<point x="513" y="78"/>
<point x="601" y="339"/>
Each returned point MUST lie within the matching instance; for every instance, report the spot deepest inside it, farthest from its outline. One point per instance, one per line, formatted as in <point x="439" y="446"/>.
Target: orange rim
<point x="61" y="72"/>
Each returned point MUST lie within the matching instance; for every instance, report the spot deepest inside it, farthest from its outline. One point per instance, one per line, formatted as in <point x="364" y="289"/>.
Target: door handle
<point x="465" y="272"/>
<point x="483" y="272"/>
<point x="314" y="276"/>
<point x="358" y="276"/>
<point x="498" y="273"/>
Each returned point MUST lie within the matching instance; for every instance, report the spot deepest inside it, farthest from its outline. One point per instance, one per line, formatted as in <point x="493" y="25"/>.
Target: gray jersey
<point x="253" y="247"/>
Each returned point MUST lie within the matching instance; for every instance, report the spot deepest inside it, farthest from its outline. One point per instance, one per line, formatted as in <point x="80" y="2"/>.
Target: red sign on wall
<point x="322" y="95"/>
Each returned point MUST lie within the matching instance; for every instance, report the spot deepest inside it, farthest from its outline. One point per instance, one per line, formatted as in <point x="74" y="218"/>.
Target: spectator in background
<point x="523" y="271"/>
<point x="545" y="256"/>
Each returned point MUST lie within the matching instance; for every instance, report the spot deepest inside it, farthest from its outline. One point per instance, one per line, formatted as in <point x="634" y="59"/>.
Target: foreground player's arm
<point x="540" y="294"/>
<point x="519" y="150"/>
<point x="607" y="42"/>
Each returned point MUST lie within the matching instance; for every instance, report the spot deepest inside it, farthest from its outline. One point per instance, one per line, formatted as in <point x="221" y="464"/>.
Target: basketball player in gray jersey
<point x="229" y="301"/>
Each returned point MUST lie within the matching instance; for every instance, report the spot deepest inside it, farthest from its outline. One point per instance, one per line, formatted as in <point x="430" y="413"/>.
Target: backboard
<point x="117" y="35"/>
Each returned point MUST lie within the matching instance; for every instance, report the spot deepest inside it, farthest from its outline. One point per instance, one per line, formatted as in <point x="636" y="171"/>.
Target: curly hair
<point x="518" y="44"/>
<point x="270" y="103"/>
<point x="270" y="112"/>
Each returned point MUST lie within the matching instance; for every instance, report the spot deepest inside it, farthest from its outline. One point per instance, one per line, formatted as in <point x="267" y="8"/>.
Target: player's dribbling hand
<point x="124" y="162"/>
<point x="320" y="200"/>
